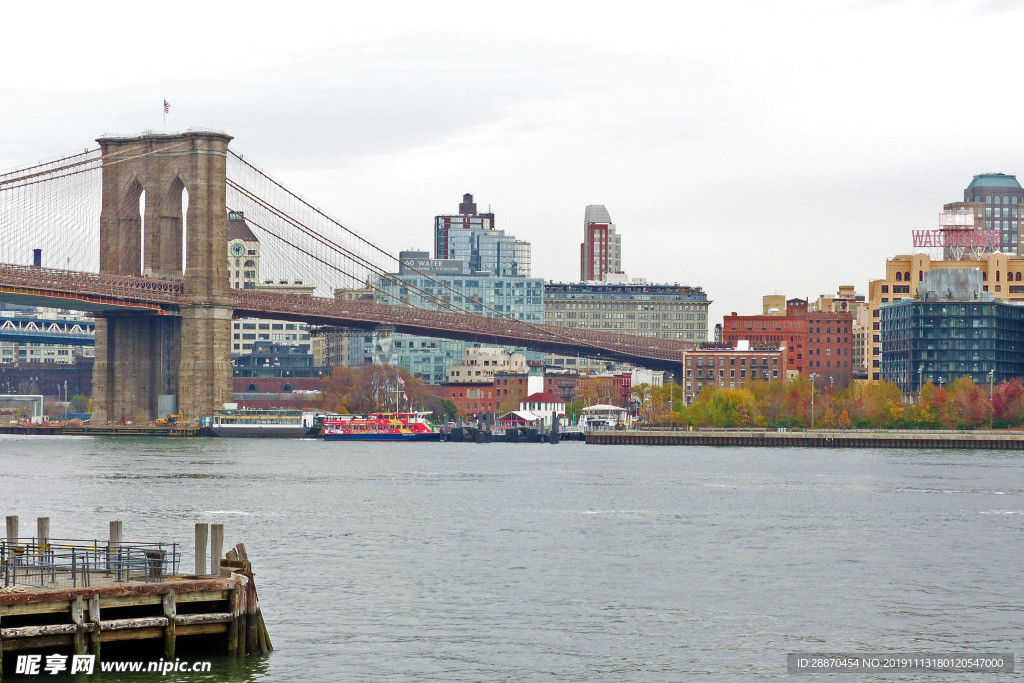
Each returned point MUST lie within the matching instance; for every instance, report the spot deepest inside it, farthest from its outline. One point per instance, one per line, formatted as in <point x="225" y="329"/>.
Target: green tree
<point x="78" y="404"/>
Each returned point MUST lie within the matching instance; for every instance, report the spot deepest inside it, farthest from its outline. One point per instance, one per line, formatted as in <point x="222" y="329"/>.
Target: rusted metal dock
<point x="78" y="597"/>
<point x="819" y="438"/>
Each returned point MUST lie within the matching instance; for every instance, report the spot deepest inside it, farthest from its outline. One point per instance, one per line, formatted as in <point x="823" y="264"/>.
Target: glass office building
<point x="428" y="358"/>
<point x="938" y="340"/>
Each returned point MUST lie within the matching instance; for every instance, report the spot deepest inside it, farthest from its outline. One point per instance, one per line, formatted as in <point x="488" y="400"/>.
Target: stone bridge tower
<point x="143" y="360"/>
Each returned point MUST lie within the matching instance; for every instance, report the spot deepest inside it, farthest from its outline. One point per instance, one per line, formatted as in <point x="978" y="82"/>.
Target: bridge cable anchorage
<point x="569" y="337"/>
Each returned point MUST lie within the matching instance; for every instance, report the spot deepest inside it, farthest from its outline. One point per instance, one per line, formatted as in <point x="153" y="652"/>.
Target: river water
<point x="466" y="562"/>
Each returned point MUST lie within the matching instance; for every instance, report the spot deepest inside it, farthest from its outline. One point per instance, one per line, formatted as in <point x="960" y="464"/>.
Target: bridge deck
<point x="113" y="294"/>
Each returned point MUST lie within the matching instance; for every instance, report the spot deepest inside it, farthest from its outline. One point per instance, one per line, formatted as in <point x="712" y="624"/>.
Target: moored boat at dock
<point x="381" y="427"/>
<point x="262" y="423"/>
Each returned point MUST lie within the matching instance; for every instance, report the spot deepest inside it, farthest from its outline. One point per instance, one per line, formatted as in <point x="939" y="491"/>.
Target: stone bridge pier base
<point x="137" y="360"/>
<point x="204" y="374"/>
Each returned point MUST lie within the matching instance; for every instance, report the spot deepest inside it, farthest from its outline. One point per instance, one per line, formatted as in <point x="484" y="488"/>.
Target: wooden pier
<point x="101" y="430"/>
<point x="212" y="613"/>
<point x="822" y="438"/>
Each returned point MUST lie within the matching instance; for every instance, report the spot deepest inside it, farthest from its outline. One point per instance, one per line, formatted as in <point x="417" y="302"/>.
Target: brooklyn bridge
<point x="135" y="232"/>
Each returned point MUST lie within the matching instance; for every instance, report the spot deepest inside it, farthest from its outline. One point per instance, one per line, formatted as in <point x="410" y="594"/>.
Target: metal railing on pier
<point x="79" y="563"/>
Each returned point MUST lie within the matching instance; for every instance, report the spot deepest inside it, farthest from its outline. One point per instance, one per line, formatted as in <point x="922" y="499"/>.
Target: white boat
<point x="263" y="423"/>
<point x="603" y="416"/>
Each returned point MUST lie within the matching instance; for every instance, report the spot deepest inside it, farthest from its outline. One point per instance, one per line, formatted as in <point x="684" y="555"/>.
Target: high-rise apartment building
<point x="471" y="237"/>
<point x="952" y="328"/>
<point x="601" y="251"/>
<point x="1001" y="274"/>
<point x="434" y="286"/>
<point x="668" y="311"/>
<point x="1002" y="198"/>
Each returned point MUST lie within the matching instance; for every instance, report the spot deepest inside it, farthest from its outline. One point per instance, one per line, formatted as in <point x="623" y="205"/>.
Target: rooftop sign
<point x="956" y="238"/>
<point x="960" y="219"/>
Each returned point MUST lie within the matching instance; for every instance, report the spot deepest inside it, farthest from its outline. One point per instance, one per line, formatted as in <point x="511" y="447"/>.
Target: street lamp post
<point x="670" y="397"/>
<point x="814" y="376"/>
<point x="991" y="407"/>
<point x="920" y="382"/>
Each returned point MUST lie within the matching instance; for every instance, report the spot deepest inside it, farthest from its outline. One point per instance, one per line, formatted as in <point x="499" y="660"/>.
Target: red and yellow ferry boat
<point x="381" y="427"/>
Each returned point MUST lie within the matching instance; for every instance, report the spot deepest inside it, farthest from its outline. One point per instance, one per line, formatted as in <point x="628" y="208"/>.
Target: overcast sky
<point x="745" y="147"/>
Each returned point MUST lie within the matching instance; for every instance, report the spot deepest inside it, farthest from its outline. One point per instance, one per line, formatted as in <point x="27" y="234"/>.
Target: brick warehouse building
<point x="726" y="366"/>
<point x="47" y="379"/>
<point x="817" y="342"/>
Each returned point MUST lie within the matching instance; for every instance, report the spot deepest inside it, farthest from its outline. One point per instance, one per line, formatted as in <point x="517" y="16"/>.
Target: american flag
<point x="401" y="381"/>
<point x="167" y="107"/>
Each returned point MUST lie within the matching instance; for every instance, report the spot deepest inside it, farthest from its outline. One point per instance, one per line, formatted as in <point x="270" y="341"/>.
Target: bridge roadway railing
<point x="78" y="283"/>
<point x="423" y="321"/>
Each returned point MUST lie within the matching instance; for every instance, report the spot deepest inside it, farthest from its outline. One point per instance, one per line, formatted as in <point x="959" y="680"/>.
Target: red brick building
<point x="818" y="343"/>
<point x="723" y="365"/>
<point x="476" y="398"/>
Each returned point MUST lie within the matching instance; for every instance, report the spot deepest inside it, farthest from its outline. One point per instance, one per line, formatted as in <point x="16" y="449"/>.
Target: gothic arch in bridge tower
<point x="147" y="364"/>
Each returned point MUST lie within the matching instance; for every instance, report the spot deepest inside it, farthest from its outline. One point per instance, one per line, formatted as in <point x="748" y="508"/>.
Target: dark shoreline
<point x="822" y="438"/>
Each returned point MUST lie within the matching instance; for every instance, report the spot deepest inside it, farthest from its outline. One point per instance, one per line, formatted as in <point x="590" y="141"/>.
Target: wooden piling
<point x="171" y="612"/>
<point x="78" y="619"/>
<point x="235" y="605"/>
<point x="243" y="593"/>
<point x="202" y="533"/>
<point x="94" y="621"/>
<point x="115" y="537"/>
<point x="43" y="531"/>
<point x="216" y="547"/>
<point x="12" y="529"/>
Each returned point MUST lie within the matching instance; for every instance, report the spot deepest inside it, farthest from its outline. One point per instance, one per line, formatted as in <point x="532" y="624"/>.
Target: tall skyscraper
<point x="601" y="251"/>
<point x="471" y="237"/>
